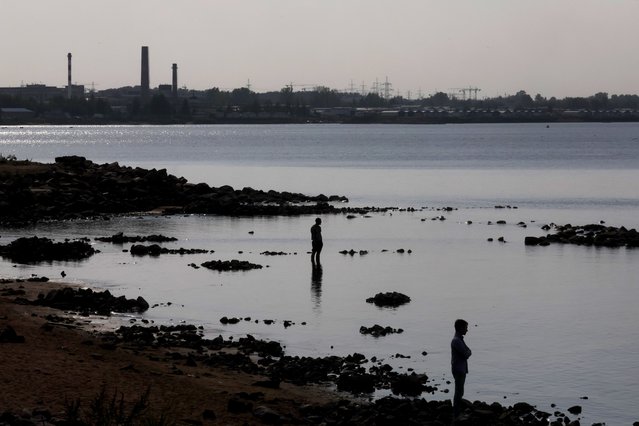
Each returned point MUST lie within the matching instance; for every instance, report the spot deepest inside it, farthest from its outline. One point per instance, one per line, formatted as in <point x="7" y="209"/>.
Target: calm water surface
<point x="548" y="324"/>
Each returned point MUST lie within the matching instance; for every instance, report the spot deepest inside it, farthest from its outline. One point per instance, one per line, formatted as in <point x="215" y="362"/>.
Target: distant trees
<point x="122" y="105"/>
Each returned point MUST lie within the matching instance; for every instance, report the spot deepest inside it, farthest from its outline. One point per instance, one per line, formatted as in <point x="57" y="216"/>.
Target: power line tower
<point x="248" y="84"/>
<point x="375" y="87"/>
<point x="468" y="93"/>
<point x="387" y="89"/>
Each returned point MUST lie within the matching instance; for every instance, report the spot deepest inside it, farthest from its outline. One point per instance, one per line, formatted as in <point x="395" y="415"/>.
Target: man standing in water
<point x="316" y="241"/>
<point x="459" y="360"/>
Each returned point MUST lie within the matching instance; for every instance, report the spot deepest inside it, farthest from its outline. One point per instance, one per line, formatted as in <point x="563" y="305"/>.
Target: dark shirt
<point x="316" y="233"/>
<point x="459" y="354"/>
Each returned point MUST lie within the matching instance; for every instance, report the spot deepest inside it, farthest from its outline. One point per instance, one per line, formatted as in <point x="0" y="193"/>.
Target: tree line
<point x="113" y="105"/>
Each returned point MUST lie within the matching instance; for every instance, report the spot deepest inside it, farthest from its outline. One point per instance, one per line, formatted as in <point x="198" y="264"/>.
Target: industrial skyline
<point x="567" y="48"/>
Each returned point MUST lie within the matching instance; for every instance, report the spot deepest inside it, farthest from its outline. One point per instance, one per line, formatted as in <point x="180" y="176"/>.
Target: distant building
<point x="166" y="90"/>
<point x="41" y="92"/>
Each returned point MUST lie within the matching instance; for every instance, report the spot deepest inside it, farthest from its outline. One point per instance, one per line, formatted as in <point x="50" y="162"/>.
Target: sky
<point x="555" y="48"/>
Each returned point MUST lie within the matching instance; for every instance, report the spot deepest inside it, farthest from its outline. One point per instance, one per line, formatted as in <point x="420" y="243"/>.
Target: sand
<point x="59" y="363"/>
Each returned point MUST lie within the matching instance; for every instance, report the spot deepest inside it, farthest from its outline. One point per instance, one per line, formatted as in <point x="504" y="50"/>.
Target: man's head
<point x="461" y="326"/>
<point x="318" y="221"/>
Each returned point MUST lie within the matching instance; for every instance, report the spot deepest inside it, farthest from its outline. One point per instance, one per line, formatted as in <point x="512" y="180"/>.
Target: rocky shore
<point x="58" y="367"/>
<point x="67" y="361"/>
<point x="74" y="187"/>
<point x="597" y="235"/>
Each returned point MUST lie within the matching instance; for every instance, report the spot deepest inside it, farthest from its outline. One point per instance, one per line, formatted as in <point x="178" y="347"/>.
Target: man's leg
<point x="460" y="380"/>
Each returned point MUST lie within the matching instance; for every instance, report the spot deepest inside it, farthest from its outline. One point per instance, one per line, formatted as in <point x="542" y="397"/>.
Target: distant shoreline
<point x="548" y="119"/>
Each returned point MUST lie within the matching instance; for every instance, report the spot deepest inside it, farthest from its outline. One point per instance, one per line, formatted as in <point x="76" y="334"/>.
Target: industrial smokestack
<point x="69" y="76"/>
<point x="144" y="80"/>
<point x="174" y="88"/>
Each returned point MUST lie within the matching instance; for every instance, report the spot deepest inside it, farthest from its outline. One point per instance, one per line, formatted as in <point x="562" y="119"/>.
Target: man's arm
<point x="460" y="347"/>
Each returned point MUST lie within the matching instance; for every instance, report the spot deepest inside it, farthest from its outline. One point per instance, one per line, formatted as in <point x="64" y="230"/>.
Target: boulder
<point x="389" y="299"/>
<point x="35" y="250"/>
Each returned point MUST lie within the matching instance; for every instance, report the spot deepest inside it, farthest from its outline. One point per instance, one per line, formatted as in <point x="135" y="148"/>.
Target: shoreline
<point x="64" y="358"/>
<point x="68" y="358"/>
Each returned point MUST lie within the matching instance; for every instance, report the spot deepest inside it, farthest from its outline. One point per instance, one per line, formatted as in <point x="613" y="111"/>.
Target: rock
<point x="409" y="385"/>
<point x="356" y="383"/>
<point x="378" y="330"/>
<point x="230" y="265"/>
<point x="274" y="253"/>
<point x="531" y="241"/>
<point x="120" y="238"/>
<point x="523" y="408"/>
<point x="390" y="299"/>
<point x="74" y="187"/>
<point x="35" y="250"/>
<point x="575" y="410"/>
<point x="88" y="301"/>
<point x="9" y="335"/>
<point x="593" y="234"/>
<point x="156" y="250"/>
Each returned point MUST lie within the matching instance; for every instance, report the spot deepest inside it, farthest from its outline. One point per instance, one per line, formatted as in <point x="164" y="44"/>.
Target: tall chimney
<point x="144" y="80"/>
<point x="69" y="76"/>
<point x="174" y="88"/>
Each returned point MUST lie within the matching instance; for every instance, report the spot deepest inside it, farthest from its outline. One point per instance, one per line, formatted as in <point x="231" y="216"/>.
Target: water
<point x="547" y="324"/>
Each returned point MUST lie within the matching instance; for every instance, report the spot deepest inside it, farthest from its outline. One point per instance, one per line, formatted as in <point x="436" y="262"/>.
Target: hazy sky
<point x="552" y="47"/>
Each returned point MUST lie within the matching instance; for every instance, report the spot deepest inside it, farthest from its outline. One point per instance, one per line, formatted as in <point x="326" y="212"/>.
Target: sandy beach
<point x="61" y="361"/>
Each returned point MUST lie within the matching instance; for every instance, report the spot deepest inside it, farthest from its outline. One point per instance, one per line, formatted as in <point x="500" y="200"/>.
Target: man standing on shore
<point x="316" y="241"/>
<point x="459" y="360"/>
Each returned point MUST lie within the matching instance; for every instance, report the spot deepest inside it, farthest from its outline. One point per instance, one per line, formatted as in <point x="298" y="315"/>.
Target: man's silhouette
<point x="459" y="360"/>
<point x="316" y="241"/>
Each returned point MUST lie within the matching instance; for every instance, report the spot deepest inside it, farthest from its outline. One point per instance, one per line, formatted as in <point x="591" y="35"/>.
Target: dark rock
<point x="356" y="382"/>
<point x="74" y="187"/>
<point x="230" y="265"/>
<point x="34" y="250"/>
<point x="575" y="410"/>
<point x="593" y="234"/>
<point x="409" y="385"/>
<point x="389" y="299"/>
<point x="274" y="253"/>
<point x="88" y="301"/>
<point x="378" y="330"/>
<point x="9" y="335"/>
<point x="120" y="238"/>
<point x="531" y="241"/>
<point x="523" y="408"/>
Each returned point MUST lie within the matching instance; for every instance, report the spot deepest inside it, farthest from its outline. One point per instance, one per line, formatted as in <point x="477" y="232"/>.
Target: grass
<point x="112" y="410"/>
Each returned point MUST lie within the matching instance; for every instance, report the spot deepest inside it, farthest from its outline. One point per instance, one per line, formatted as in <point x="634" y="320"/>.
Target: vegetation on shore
<point x="242" y="105"/>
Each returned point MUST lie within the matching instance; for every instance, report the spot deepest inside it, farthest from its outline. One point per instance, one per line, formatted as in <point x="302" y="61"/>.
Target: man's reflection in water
<point x="316" y="286"/>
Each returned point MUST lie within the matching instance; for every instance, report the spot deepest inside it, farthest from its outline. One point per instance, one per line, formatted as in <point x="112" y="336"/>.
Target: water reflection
<point x="316" y="286"/>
